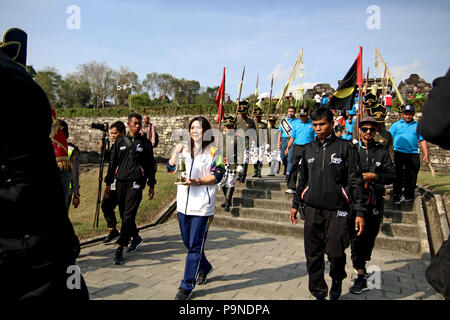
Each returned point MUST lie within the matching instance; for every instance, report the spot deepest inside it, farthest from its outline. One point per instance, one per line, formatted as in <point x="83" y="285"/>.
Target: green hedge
<point x="417" y="103"/>
<point x="170" y="109"/>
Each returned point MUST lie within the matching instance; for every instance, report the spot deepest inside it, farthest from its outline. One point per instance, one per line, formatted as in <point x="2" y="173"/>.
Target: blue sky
<point x="196" y="39"/>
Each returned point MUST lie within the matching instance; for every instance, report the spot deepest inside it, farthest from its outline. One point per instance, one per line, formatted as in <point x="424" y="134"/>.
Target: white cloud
<point x="403" y="72"/>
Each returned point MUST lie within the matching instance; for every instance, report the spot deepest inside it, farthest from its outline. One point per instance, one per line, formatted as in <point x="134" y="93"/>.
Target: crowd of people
<point x="336" y="170"/>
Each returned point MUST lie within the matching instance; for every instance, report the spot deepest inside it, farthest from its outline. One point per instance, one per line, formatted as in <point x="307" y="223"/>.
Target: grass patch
<point x="82" y="218"/>
<point x="440" y="184"/>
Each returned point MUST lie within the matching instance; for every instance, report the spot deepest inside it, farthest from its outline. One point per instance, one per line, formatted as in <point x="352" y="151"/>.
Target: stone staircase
<point x="262" y="205"/>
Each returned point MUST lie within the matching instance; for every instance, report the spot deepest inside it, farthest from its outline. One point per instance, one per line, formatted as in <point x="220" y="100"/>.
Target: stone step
<point x="399" y="229"/>
<point x="285" y="205"/>
<point x="262" y="184"/>
<point x="261" y="194"/>
<point x="409" y="217"/>
<point x="259" y="225"/>
<point x="255" y="213"/>
<point x="397" y="243"/>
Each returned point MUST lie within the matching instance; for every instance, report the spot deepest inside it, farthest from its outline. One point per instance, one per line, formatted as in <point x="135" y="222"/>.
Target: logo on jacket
<point x="139" y="148"/>
<point x="335" y="160"/>
<point x="311" y="160"/>
<point x="341" y="213"/>
<point x="378" y="163"/>
<point x="123" y="147"/>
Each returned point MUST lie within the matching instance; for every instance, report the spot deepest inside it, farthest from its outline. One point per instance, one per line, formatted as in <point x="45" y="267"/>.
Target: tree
<point x="186" y="91"/>
<point x="165" y="84"/>
<point x="150" y="83"/>
<point x="125" y="76"/>
<point x="50" y="80"/>
<point x="31" y="71"/>
<point x="74" y="91"/>
<point x="101" y="78"/>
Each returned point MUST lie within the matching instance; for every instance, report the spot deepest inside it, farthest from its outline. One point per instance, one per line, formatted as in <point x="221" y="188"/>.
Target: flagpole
<point x="256" y="92"/>
<point x="390" y="77"/>
<point x="240" y="90"/>
<point x="367" y="81"/>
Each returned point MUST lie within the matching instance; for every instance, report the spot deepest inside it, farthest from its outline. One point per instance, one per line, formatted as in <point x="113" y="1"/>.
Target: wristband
<point x="199" y="181"/>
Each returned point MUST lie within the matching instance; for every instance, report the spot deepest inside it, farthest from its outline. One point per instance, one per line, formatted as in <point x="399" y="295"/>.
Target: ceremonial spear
<point x="270" y="99"/>
<point x="256" y="94"/>
<point x="240" y="90"/>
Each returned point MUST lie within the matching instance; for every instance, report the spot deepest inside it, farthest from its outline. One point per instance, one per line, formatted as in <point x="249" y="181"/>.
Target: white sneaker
<point x="290" y="191"/>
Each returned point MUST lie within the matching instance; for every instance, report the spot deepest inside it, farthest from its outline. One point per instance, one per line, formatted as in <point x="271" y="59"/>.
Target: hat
<point x="351" y="112"/>
<point x="258" y="111"/>
<point x="272" y="118"/>
<point x="408" y="107"/>
<point x="243" y="106"/>
<point x="368" y="119"/>
<point x="378" y="112"/>
<point x="229" y="120"/>
<point x="370" y="97"/>
<point x="303" y="112"/>
<point x="14" y="45"/>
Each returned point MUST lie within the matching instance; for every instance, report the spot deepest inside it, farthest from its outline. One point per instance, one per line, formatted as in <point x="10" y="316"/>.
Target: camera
<point x="100" y="126"/>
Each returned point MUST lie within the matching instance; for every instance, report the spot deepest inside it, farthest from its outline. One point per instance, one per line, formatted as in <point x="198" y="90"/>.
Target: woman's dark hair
<point x="64" y="127"/>
<point x="119" y="125"/>
<point x="205" y="127"/>
<point x="321" y="113"/>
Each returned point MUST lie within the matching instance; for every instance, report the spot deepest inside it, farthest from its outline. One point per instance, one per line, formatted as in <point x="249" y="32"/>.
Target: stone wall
<point x="87" y="139"/>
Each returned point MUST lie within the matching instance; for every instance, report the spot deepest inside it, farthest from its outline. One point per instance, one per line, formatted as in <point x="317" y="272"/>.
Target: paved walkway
<point x="247" y="266"/>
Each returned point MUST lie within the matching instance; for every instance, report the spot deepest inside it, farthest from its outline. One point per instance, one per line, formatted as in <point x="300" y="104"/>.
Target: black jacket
<point x="434" y="126"/>
<point x="132" y="161"/>
<point x="329" y="172"/>
<point x="376" y="159"/>
<point x="35" y="229"/>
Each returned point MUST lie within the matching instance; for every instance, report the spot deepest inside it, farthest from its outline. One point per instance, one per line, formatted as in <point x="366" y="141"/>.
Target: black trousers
<point x="325" y="232"/>
<point x="129" y="196"/>
<point x="362" y="245"/>
<point x="407" y="167"/>
<point x="296" y="156"/>
<point x="108" y="205"/>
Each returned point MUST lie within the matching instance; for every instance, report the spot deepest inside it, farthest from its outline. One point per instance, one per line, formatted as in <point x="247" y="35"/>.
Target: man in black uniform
<point x="246" y="132"/>
<point x="116" y="129"/>
<point x="329" y="174"/>
<point x="37" y="241"/>
<point x="378" y="171"/>
<point x="132" y="164"/>
<point x="229" y="151"/>
<point x="260" y="140"/>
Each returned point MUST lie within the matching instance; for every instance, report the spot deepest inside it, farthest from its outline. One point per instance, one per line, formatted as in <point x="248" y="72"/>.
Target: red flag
<point x="220" y="99"/>
<point x="359" y="75"/>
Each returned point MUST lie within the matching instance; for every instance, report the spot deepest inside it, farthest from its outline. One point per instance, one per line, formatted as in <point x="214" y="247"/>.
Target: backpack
<point x="156" y="136"/>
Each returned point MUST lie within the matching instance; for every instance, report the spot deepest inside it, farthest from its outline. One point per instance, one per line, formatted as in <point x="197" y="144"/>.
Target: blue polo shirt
<point x="406" y="137"/>
<point x="293" y="122"/>
<point x="303" y="133"/>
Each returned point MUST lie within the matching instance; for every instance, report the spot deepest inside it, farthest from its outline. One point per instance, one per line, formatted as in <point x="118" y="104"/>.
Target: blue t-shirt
<point x="293" y="122"/>
<point x="303" y="133"/>
<point x="406" y="137"/>
<point x="349" y="128"/>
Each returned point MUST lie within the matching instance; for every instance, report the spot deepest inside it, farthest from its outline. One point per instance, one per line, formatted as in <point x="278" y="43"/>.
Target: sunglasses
<point x="365" y="129"/>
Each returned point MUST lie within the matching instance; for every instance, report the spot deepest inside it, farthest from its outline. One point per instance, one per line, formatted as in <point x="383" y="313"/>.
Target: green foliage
<point x="49" y="80"/>
<point x="416" y="102"/>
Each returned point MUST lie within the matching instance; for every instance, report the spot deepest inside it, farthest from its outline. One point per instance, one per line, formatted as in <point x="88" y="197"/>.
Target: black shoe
<point x="320" y="298"/>
<point x="336" y="290"/>
<point x="360" y="284"/>
<point x="227" y="207"/>
<point x="202" y="278"/>
<point x="135" y="244"/>
<point x="118" y="256"/>
<point x="111" y="236"/>
<point x="183" y="294"/>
